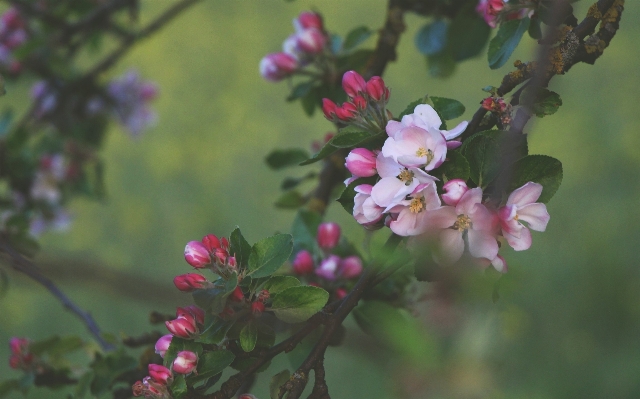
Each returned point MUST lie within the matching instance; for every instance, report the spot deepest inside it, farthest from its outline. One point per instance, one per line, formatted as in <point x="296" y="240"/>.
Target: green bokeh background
<point x="567" y="324"/>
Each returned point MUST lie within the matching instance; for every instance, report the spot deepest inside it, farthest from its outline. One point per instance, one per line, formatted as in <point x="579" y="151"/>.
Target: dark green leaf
<point x="310" y="101"/>
<point x="506" y="40"/>
<point x="215" y="331"/>
<point x="267" y="255"/>
<point x="356" y="37"/>
<point x="447" y="108"/>
<point x="468" y="34"/>
<point x="305" y="228"/>
<point x="276" y="381"/>
<point x="290" y="200"/>
<point x="108" y="367"/>
<point x="349" y="139"/>
<point x="547" y="103"/>
<point x="300" y="90"/>
<point x="540" y="169"/>
<point x="441" y="65"/>
<point x="248" y="337"/>
<point x="354" y="61"/>
<point x="432" y="38"/>
<point x="279" y="159"/>
<point x="482" y="153"/>
<point x="327" y="150"/>
<point x="554" y="11"/>
<point x="212" y="363"/>
<point x="279" y="283"/>
<point x="297" y="304"/>
<point x="266" y="336"/>
<point x="239" y="247"/>
<point x="292" y="182"/>
<point x="455" y="166"/>
<point x="241" y="364"/>
<point x="535" y="32"/>
<point x="179" y="387"/>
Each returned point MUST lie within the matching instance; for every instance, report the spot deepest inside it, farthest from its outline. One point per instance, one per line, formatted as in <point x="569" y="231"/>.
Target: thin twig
<point x="23" y="265"/>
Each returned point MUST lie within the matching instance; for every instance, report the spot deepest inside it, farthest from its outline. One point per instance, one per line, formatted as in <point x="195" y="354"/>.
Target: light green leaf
<point x="269" y="254"/>
<point x="447" y="108"/>
<point x="277" y="284"/>
<point x="297" y="304"/>
<point x="248" y="337"/>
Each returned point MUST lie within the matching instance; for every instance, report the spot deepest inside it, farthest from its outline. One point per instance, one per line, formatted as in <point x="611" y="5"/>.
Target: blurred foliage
<point x="567" y="322"/>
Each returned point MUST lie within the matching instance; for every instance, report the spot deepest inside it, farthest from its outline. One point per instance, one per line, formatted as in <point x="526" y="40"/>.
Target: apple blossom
<point x="365" y="210"/>
<point x="376" y="89"/>
<point x="425" y="117"/>
<point x="277" y="66"/>
<point x="328" y="235"/>
<point x="413" y="213"/>
<point x="350" y="267"/>
<point x="361" y="162"/>
<point x="196" y="254"/>
<point x="414" y="146"/>
<point x="184" y="326"/>
<point x="185" y="362"/>
<point x="455" y="189"/>
<point x="303" y="263"/>
<point x="160" y="374"/>
<point x="328" y="268"/>
<point x="353" y="83"/>
<point x="163" y="344"/>
<point x="521" y="206"/>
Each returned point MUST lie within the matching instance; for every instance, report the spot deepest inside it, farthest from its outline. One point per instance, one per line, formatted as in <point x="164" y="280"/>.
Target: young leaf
<point x="290" y="200"/>
<point x="432" y="38"/>
<point x="297" y="304"/>
<point x="248" y="337"/>
<point x="327" y="150"/>
<point x="276" y="381"/>
<point x="506" y="40"/>
<point x="540" y="169"/>
<point x="239" y="247"/>
<point x="179" y="387"/>
<point x="468" y="34"/>
<point x="280" y="283"/>
<point x="279" y="159"/>
<point x="447" y="108"/>
<point x="356" y="37"/>
<point x="267" y="255"/>
<point x="212" y="363"/>
<point x="547" y="103"/>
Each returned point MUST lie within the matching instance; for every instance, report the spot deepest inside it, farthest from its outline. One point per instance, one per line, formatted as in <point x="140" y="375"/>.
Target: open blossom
<point x="365" y="210"/>
<point x="425" y="117"/>
<point x="521" y="206"/>
<point x="131" y="96"/>
<point x="413" y="213"/>
<point x="413" y="146"/>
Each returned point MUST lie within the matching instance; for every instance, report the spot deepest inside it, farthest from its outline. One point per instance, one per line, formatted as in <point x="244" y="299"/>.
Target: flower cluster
<point x="131" y="96"/>
<point x="328" y="271"/>
<point x="21" y="358"/>
<point x="304" y="47"/>
<point x="211" y="252"/>
<point x="493" y="11"/>
<point x="188" y="323"/>
<point x="12" y="35"/>
<point x="366" y="107"/>
<point x="156" y="384"/>
<point x="498" y="107"/>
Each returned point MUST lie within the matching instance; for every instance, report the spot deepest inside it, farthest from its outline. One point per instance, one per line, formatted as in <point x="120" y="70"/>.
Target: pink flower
<point x="353" y="83"/>
<point x="196" y="254"/>
<point x="193" y="310"/>
<point x="308" y="19"/>
<point x="190" y="282"/>
<point x="160" y="374"/>
<point x="413" y="217"/>
<point x="311" y="41"/>
<point x="455" y="189"/>
<point x="328" y="268"/>
<point x="328" y="235"/>
<point x="163" y="344"/>
<point x="521" y="206"/>
<point x="131" y="96"/>
<point x="425" y="117"/>
<point x="365" y="210"/>
<point x="350" y="267"/>
<point x="183" y="327"/>
<point x="185" y="362"/>
<point x="413" y="146"/>
<point x="303" y="263"/>
<point x="361" y="162"/>
<point x="277" y="66"/>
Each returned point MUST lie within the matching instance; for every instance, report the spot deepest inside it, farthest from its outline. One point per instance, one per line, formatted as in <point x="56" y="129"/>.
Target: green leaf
<point x="468" y="34"/>
<point x="441" y="65"/>
<point x="349" y="137"/>
<point x="305" y="228"/>
<point x="455" y="166"/>
<point x="356" y="37"/>
<point x="179" y="387"/>
<point x="354" y="61"/>
<point x="108" y="367"/>
<point x="327" y="150"/>
<point x="214" y="299"/>
<point x="547" y="103"/>
<point x="276" y="381"/>
<point x="540" y="169"/>
<point x="277" y="284"/>
<point x="506" y="40"/>
<point x="447" y="108"/>
<point x="292" y="182"/>
<point x="290" y="200"/>
<point x="432" y="38"/>
<point x="266" y="336"/>
<point x="56" y="346"/>
<point x="297" y="304"/>
<point x="550" y="11"/>
<point x="8" y="386"/>
<point x="177" y="345"/>
<point x="239" y="247"/>
<point x="482" y="153"/>
<point x="267" y="255"/>
<point x="300" y="90"/>
<point x="347" y="197"/>
<point x="215" y="331"/>
<point x="248" y="337"/>
<point x="279" y="159"/>
<point x="212" y="363"/>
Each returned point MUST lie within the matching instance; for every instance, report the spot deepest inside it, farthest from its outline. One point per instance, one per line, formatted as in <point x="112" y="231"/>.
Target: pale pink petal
<point x="363" y="188"/>
<point x="456" y="131"/>
<point x="508" y="212"/>
<point x="481" y="218"/>
<point x="468" y="201"/>
<point x="482" y="244"/>
<point x="393" y="127"/>
<point x="527" y="194"/>
<point x="389" y="191"/>
<point x="536" y="215"/>
<point x="428" y="115"/>
<point x="453" y="144"/>
<point x="519" y="243"/>
<point x="371" y="211"/>
<point x="405" y="224"/>
<point x="440" y="218"/>
<point x="499" y="264"/>
<point x="422" y="176"/>
<point x="387" y="166"/>
<point x="455" y="189"/>
<point x="431" y="199"/>
<point x="512" y="227"/>
<point x="451" y="246"/>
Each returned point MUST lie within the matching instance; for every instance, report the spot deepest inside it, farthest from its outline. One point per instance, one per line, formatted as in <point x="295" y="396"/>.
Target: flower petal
<point x="525" y="195"/>
<point x="427" y="115"/>
<point x="519" y="243"/>
<point x="451" y="246"/>
<point x="456" y="131"/>
<point x="468" y="201"/>
<point x="536" y="215"/>
<point x="482" y="244"/>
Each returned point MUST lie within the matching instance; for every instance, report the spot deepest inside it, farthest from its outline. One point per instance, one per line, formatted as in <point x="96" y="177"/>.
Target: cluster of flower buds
<point x="307" y="44"/>
<point x="21" y="358"/>
<point x="499" y="107"/>
<point x="12" y="35"/>
<point x="156" y="384"/>
<point x="328" y="271"/>
<point x="211" y="252"/>
<point x="493" y="11"/>
<point x="130" y="97"/>
<point x="191" y="281"/>
<point x="367" y="105"/>
<point x="188" y="323"/>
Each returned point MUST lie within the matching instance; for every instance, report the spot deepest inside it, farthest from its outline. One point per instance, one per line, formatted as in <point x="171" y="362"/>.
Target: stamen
<point x="406" y="176"/>
<point x="417" y="205"/>
<point x="462" y="223"/>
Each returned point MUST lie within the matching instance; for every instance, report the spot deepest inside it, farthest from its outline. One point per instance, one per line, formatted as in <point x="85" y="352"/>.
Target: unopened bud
<point x="160" y="374"/>
<point x="328" y="268"/>
<point x="196" y="254"/>
<point x="185" y="362"/>
<point x="455" y="189"/>
<point x="341" y="293"/>
<point x="190" y="282"/>
<point x="350" y="267"/>
<point x="211" y="242"/>
<point x="193" y="310"/>
<point x="346" y="112"/>
<point x="163" y="344"/>
<point x="183" y="326"/>
<point x="360" y="103"/>
<point x="303" y="263"/>
<point x="353" y="83"/>
<point x="328" y="235"/>
<point x="311" y="41"/>
<point x="308" y="19"/>
<point x="277" y="66"/>
<point x="257" y="308"/>
<point x="329" y="108"/>
<point x="376" y="89"/>
<point x="237" y="295"/>
<point x="361" y="162"/>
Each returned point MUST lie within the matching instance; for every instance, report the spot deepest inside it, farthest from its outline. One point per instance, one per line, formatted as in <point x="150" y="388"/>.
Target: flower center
<point x="462" y="223"/>
<point x="406" y="176"/>
<point x="417" y="205"/>
<point x="423" y="152"/>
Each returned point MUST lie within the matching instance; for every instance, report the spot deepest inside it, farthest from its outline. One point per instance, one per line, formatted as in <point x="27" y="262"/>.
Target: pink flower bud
<point x="163" y="344"/>
<point x="183" y="327"/>
<point x="225" y="243"/>
<point x="14" y="361"/>
<point x="346" y="112"/>
<point x="196" y="254"/>
<point x="18" y="345"/>
<point x="277" y="66"/>
<point x="211" y="242"/>
<point x="247" y="396"/>
<point x="232" y="263"/>
<point x="329" y="108"/>
<point x="160" y="374"/>
<point x="328" y="235"/>
<point x="185" y="362"/>
<point x="329" y="268"/>
<point x="308" y="19"/>
<point x="193" y="311"/>
<point x="190" y="282"/>
<point x="455" y="189"/>
<point x="350" y="267"/>
<point x="360" y="103"/>
<point x="341" y="293"/>
<point x="237" y="295"/>
<point x="353" y="83"/>
<point x="361" y="162"/>
<point x="311" y="41"/>
<point x="257" y="308"/>
<point x="376" y="89"/>
<point x="303" y="263"/>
